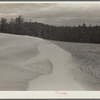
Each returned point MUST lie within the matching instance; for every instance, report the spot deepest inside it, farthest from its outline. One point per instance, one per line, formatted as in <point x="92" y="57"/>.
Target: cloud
<point x="54" y="13"/>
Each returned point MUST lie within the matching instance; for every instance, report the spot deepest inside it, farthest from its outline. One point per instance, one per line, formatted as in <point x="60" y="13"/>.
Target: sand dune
<point x="61" y="77"/>
<point x="30" y="63"/>
<point x="13" y="51"/>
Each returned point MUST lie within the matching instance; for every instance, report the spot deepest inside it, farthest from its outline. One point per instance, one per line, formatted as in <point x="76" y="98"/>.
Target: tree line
<point x="80" y="33"/>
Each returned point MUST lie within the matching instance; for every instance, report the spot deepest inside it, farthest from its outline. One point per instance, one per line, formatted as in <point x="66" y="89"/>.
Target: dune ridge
<point x="61" y="77"/>
<point x="30" y="63"/>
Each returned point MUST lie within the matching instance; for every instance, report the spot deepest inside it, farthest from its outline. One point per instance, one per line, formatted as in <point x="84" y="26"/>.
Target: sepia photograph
<point x="50" y="46"/>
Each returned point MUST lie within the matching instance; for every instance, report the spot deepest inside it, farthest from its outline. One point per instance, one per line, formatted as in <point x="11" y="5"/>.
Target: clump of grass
<point x="88" y="63"/>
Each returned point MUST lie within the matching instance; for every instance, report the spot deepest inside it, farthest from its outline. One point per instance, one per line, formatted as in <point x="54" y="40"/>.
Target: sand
<point x="30" y="63"/>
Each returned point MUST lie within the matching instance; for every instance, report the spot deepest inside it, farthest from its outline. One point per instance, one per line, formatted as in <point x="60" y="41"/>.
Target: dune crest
<point x="34" y="64"/>
<point x="61" y="77"/>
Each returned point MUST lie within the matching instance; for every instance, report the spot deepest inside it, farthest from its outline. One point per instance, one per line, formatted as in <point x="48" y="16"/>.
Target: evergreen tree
<point x="3" y="25"/>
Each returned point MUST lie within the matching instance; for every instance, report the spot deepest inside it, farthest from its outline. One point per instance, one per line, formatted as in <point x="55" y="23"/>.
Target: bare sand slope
<point x="61" y="77"/>
<point x="25" y="59"/>
<point x="13" y="51"/>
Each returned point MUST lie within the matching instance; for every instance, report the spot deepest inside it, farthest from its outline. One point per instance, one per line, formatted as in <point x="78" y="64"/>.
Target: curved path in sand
<point x="34" y="64"/>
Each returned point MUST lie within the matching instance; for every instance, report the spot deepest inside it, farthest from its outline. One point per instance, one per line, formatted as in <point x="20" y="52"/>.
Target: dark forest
<point x="81" y="33"/>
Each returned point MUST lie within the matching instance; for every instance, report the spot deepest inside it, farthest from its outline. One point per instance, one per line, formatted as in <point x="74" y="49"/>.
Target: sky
<point x="59" y="14"/>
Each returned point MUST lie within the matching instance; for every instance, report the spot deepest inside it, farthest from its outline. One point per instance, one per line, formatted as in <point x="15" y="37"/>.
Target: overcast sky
<point x="54" y="13"/>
